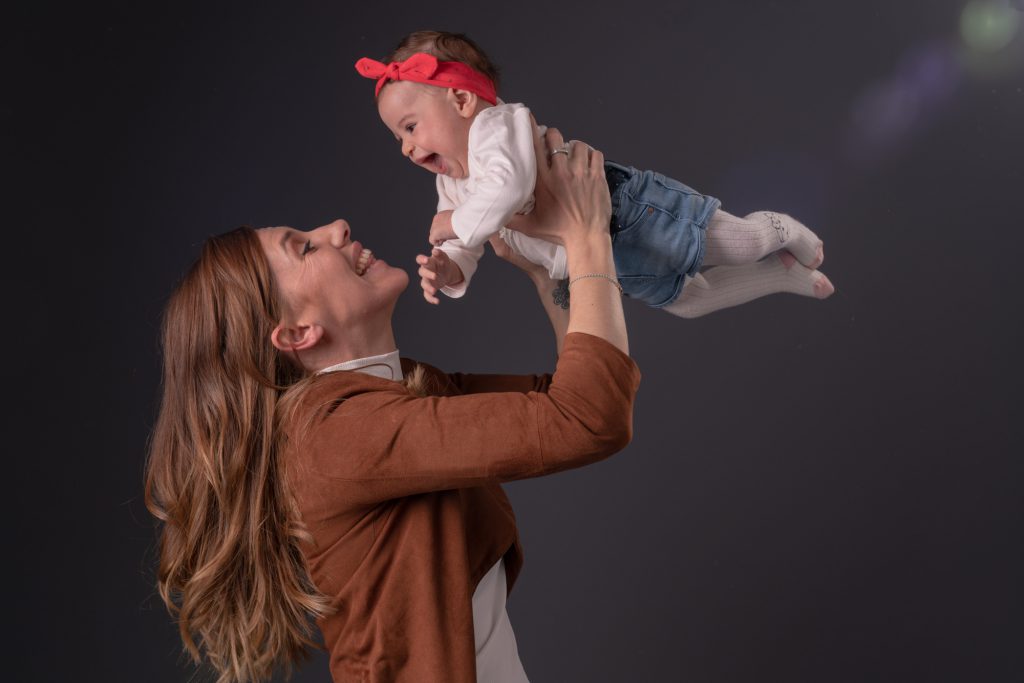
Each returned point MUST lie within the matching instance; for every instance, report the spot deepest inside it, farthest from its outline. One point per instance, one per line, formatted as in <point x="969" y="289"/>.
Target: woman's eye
<point x="308" y="247"/>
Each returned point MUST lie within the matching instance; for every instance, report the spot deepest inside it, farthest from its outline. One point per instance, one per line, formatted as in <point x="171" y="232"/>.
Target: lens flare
<point x="889" y="113"/>
<point x="893" y="111"/>
<point x="988" y="25"/>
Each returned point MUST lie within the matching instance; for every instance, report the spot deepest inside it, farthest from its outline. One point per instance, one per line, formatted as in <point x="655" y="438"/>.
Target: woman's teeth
<point x="365" y="258"/>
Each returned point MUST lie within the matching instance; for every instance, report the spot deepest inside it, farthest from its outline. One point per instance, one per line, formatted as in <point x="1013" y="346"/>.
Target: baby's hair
<point x="449" y="47"/>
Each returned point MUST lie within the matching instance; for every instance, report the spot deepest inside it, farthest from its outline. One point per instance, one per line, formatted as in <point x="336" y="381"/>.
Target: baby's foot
<point x="798" y="239"/>
<point x="821" y="286"/>
<point x="819" y="256"/>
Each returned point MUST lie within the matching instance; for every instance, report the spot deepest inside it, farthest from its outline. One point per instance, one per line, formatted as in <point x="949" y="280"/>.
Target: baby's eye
<point x="307" y="247"/>
<point x="409" y="127"/>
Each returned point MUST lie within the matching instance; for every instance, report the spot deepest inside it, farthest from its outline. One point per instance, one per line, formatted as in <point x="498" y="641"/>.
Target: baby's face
<point x="431" y="123"/>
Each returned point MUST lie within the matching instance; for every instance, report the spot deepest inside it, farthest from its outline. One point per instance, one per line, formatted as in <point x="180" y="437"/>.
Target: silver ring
<point x="563" y="150"/>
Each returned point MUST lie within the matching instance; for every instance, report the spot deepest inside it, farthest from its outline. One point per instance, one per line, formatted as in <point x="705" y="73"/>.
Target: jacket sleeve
<point x="481" y="383"/>
<point x="377" y="446"/>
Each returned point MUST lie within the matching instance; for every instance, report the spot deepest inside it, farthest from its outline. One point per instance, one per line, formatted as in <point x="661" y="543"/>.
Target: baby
<point x="674" y="248"/>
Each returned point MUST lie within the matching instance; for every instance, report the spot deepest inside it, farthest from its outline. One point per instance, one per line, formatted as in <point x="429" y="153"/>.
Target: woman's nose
<point x="339" y="232"/>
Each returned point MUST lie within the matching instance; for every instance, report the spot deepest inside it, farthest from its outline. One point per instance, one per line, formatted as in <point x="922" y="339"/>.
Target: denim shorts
<point x="658" y="232"/>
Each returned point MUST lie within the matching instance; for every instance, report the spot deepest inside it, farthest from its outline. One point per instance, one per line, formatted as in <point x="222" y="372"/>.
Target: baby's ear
<point x="465" y="102"/>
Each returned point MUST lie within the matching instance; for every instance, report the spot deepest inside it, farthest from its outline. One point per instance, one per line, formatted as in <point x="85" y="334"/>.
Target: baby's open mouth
<point x="364" y="262"/>
<point x="435" y="162"/>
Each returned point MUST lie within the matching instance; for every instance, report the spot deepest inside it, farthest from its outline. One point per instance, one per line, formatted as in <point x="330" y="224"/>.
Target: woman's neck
<point x="353" y="345"/>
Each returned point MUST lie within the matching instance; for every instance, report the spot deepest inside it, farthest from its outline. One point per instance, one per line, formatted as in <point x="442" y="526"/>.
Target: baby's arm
<point x="501" y="142"/>
<point x="436" y="272"/>
<point x="441" y="228"/>
<point x="463" y="258"/>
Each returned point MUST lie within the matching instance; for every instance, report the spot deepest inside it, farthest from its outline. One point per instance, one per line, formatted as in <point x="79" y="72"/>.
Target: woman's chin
<point x="391" y="274"/>
<point x="403" y="277"/>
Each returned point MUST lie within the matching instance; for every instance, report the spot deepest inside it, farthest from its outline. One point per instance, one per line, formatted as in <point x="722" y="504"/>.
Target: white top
<point x="502" y="176"/>
<point x="497" y="656"/>
<point x="386" y="366"/>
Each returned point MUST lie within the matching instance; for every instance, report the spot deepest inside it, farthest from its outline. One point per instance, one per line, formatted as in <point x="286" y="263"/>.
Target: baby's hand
<point x="437" y="271"/>
<point x="441" y="228"/>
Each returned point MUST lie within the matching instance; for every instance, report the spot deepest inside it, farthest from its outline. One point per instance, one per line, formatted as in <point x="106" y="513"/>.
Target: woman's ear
<point x="296" y="338"/>
<point x="465" y="102"/>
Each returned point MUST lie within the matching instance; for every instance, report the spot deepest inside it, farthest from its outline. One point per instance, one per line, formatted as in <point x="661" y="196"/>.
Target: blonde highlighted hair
<point x="231" y="568"/>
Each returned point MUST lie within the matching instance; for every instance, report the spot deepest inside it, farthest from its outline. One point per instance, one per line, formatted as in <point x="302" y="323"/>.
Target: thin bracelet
<point x="609" y="278"/>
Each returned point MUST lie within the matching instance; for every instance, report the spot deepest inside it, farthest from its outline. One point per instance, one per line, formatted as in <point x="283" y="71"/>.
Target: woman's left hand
<point x="504" y="251"/>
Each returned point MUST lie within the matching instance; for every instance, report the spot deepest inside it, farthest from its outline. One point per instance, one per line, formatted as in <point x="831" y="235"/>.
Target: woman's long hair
<point x="231" y="569"/>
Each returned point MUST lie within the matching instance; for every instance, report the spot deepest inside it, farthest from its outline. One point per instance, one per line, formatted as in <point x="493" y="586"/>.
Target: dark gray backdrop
<point x="816" y="491"/>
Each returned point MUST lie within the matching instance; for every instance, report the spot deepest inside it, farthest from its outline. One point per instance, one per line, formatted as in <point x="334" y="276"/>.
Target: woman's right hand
<point x="571" y="198"/>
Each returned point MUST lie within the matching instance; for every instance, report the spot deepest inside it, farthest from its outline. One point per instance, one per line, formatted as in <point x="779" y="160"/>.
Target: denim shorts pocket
<point x="648" y="194"/>
<point x="653" y="291"/>
<point x="672" y="192"/>
<point x="629" y="214"/>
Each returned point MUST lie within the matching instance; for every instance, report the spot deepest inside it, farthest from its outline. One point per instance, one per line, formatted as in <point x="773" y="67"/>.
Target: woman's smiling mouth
<point x="364" y="262"/>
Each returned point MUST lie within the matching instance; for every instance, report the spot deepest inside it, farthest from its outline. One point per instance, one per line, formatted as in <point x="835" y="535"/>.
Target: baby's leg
<point x="733" y="241"/>
<point x="724" y="286"/>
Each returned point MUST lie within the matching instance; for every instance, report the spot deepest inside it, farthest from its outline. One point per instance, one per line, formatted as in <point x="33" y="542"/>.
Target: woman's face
<point x="324" y="278"/>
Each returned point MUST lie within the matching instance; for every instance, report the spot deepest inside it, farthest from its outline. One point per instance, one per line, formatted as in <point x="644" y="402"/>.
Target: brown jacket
<point x="401" y="495"/>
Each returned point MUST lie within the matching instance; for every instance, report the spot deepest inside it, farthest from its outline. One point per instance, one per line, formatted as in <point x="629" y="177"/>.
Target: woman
<point x="298" y="478"/>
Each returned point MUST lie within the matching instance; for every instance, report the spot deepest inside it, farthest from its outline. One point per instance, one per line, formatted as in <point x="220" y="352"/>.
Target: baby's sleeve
<point x="466" y="259"/>
<point x="505" y="173"/>
<point x="445" y="202"/>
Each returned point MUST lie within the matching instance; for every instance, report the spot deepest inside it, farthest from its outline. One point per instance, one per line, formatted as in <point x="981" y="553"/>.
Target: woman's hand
<point x="505" y="252"/>
<point x="571" y="197"/>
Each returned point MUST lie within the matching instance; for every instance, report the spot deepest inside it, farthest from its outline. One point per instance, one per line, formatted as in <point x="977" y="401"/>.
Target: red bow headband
<point x="424" y="68"/>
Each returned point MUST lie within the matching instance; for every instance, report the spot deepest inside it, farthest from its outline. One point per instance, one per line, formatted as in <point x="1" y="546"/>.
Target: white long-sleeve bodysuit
<point x="502" y="176"/>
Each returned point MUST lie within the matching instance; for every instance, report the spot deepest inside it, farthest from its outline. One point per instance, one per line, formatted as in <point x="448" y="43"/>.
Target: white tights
<point x="763" y="253"/>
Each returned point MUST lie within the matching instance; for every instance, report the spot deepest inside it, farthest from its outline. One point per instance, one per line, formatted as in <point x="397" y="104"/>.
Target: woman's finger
<point x="499" y="246"/>
<point x="554" y="138"/>
<point x="555" y="142"/>
<point x="540" y="149"/>
<point x="564" y="150"/>
<point x="596" y="160"/>
<point x="578" y="156"/>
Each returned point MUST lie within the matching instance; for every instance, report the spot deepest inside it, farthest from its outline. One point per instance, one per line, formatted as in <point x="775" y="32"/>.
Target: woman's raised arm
<point x="573" y="208"/>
